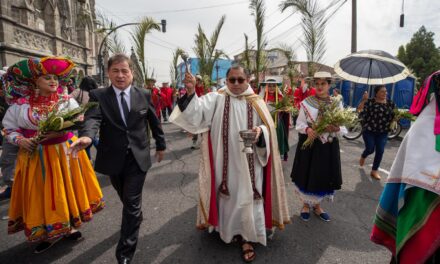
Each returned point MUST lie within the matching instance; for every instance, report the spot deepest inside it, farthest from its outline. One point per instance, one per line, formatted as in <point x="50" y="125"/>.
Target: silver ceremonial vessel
<point x="248" y="137"/>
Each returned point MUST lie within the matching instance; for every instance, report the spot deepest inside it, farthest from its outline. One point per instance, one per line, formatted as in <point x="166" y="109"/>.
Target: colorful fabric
<point x="406" y="222"/>
<point x="52" y="193"/>
<point x="299" y="95"/>
<point x="430" y="86"/>
<point x="19" y="80"/>
<point x="167" y="93"/>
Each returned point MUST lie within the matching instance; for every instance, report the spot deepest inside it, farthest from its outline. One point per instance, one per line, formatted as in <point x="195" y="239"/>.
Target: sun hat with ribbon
<point x="20" y="79"/>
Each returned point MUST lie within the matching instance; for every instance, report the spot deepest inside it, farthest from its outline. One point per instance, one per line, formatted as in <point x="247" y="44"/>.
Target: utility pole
<point x="353" y="26"/>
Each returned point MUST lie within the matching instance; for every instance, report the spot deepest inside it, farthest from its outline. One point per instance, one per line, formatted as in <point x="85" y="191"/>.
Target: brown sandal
<point x="245" y="252"/>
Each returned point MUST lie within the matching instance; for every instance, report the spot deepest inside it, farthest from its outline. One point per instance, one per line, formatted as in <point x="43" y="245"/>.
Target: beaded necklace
<point x="43" y="104"/>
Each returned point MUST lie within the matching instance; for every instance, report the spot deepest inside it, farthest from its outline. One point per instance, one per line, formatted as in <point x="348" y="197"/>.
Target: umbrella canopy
<point x="371" y="67"/>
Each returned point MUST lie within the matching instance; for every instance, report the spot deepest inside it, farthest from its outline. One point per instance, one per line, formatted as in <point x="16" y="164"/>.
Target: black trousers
<point x="129" y="184"/>
<point x="166" y="109"/>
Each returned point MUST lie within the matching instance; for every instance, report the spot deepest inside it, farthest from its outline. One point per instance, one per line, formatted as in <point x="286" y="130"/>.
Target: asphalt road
<point x="168" y="233"/>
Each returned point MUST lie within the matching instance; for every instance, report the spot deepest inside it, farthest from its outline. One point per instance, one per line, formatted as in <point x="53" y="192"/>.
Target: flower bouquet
<point x="401" y="114"/>
<point x="331" y="114"/>
<point x="59" y="118"/>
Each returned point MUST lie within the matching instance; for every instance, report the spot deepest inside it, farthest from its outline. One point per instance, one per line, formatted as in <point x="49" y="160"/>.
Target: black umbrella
<point x="371" y="67"/>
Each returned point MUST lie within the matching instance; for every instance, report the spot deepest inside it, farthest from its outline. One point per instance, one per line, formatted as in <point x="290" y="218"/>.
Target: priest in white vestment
<point x="241" y="195"/>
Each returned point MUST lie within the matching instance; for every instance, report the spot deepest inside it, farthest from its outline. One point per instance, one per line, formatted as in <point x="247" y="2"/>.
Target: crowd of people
<point x="53" y="188"/>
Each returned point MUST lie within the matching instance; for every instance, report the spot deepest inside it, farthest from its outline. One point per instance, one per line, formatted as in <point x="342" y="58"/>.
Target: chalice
<point x="248" y="137"/>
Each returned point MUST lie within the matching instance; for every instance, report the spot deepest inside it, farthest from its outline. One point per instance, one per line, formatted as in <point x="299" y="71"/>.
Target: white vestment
<point x="238" y="214"/>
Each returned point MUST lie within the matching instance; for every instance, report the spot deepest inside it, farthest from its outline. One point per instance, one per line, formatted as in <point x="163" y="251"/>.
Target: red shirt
<point x="200" y="90"/>
<point x="271" y="98"/>
<point x="299" y="96"/>
<point x="167" y="96"/>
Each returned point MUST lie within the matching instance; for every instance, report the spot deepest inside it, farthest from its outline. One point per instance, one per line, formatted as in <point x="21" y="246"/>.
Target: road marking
<point x="380" y="169"/>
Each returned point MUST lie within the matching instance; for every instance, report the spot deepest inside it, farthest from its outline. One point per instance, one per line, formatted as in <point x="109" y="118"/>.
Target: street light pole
<point x="353" y="26"/>
<point x="163" y="23"/>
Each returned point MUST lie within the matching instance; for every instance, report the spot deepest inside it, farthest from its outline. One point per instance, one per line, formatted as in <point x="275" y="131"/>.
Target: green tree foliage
<point x="206" y="52"/>
<point x="145" y="27"/>
<point x="113" y="42"/>
<point x="173" y="67"/>
<point x="258" y="10"/>
<point x="420" y="54"/>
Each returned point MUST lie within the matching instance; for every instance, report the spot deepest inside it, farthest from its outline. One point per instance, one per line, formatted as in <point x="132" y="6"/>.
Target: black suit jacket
<point x="115" y="138"/>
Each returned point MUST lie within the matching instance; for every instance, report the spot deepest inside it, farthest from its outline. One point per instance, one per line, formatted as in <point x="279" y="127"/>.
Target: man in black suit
<point x="123" y="116"/>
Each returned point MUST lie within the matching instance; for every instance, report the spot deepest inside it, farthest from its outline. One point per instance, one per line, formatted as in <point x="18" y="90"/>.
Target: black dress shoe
<point x="124" y="260"/>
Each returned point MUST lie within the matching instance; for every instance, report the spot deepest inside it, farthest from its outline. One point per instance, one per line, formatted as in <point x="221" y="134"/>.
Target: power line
<point x="190" y="9"/>
<point x="238" y="39"/>
<point x="331" y="5"/>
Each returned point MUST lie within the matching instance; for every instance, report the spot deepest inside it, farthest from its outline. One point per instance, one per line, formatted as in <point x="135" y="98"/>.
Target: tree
<point x="313" y="25"/>
<point x="113" y="42"/>
<point x="206" y="52"/>
<point x="246" y="60"/>
<point x="173" y="67"/>
<point x="258" y="10"/>
<point x="420" y="54"/>
<point x="146" y="26"/>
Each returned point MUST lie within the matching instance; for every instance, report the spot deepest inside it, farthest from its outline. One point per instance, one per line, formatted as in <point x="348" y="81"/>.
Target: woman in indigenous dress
<point x="408" y="215"/>
<point x="377" y="114"/>
<point x="53" y="193"/>
<point x="316" y="171"/>
<point x="272" y="95"/>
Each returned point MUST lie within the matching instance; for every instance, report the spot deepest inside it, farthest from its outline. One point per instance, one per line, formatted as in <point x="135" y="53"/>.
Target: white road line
<point x="380" y="169"/>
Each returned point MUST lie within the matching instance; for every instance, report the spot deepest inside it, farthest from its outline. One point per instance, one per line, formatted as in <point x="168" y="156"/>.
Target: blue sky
<point x="378" y="26"/>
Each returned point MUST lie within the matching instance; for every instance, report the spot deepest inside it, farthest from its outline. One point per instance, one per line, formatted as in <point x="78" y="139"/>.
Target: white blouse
<point x="17" y="118"/>
<point x="308" y="112"/>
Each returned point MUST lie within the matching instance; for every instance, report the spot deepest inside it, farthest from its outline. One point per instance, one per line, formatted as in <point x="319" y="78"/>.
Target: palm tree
<point x="206" y="52"/>
<point x="258" y="10"/>
<point x="314" y="22"/>
<point x="246" y="60"/>
<point x="146" y="26"/>
<point x="113" y="42"/>
<point x="173" y="67"/>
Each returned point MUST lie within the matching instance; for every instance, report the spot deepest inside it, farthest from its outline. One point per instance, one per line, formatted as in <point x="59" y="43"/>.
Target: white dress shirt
<point x="127" y="99"/>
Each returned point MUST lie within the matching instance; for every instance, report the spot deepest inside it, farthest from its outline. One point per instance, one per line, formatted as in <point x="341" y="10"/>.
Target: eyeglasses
<point x="233" y="80"/>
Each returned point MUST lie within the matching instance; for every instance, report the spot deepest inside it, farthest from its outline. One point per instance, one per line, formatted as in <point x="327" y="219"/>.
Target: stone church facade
<point x="38" y="28"/>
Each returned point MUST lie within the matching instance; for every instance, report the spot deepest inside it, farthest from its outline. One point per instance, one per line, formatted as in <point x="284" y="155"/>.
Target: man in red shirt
<point x="302" y="92"/>
<point x="155" y="96"/>
<point x="167" y="100"/>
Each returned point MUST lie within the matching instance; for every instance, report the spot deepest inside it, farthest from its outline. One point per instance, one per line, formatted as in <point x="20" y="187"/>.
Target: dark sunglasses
<point x="233" y="80"/>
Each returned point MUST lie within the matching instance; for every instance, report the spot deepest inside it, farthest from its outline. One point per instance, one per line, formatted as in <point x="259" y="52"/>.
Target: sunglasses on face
<point x="233" y="80"/>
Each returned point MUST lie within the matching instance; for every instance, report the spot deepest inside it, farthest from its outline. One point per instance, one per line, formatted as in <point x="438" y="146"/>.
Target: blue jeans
<point x="374" y="141"/>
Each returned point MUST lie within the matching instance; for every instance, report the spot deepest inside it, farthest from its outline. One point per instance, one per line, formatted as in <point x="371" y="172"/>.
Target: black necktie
<point x="124" y="107"/>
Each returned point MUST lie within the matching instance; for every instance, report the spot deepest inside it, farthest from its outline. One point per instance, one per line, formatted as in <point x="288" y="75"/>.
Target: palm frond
<point x="205" y="49"/>
<point x="173" y="67"/>
<point x="146" y="26"/>
<point x="113" y="42"/>
<point x="313" y="23"/>
<point x="258" y="10"/>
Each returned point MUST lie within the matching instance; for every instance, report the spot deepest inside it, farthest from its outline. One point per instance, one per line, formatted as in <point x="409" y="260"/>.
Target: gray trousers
<point x="7" y="162"/>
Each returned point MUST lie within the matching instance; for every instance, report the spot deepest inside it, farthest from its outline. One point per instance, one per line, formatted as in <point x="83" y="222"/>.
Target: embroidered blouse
<point x="18" y="118"/>
<point x="309" y="113"/>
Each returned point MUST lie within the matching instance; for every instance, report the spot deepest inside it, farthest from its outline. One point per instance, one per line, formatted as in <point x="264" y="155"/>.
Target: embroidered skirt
<point x="52" y="192"/>
<point x="316" y="170"/>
